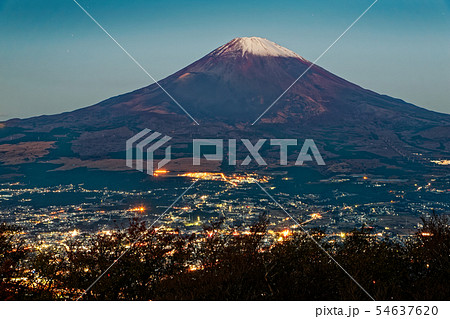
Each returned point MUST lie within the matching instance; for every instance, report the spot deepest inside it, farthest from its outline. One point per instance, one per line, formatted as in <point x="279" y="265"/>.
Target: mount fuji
<point x="226" y="91"/>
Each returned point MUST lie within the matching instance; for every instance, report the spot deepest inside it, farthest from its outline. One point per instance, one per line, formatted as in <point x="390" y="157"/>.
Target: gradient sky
<point x="53" y="58"/>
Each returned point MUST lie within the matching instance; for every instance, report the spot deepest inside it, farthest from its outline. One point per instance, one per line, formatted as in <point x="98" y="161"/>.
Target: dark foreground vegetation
<point x="224" y="265"/>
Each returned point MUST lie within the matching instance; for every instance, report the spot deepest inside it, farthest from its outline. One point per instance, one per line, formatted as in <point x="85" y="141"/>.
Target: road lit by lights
<point x="441" y="162"/>
<point x="233" y="179"/>
<point x="160" y="172"/>
<point x="426" y="234"/>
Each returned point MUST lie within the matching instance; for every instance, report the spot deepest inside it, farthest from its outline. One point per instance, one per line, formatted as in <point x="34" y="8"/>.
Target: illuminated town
<point x="235" y="200"/>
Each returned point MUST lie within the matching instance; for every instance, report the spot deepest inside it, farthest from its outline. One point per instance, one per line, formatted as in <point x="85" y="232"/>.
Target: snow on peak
<point x="254" y="46"/>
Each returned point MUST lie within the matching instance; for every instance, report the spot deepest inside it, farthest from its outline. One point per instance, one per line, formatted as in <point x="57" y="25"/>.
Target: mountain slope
<point x="227" y="90"/>
<point x="239" y="80"/>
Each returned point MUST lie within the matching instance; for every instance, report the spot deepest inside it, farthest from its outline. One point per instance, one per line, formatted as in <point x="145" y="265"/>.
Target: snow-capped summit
<point x="253" y="46"/>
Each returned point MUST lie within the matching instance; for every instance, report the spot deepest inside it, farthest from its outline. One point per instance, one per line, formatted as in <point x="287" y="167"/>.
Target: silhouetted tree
<point x="12" y="256"/>
<point x="223" y="263"/>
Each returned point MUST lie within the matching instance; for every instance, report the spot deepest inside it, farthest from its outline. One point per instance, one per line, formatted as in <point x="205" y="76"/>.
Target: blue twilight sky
<point x="53" y="58"/>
